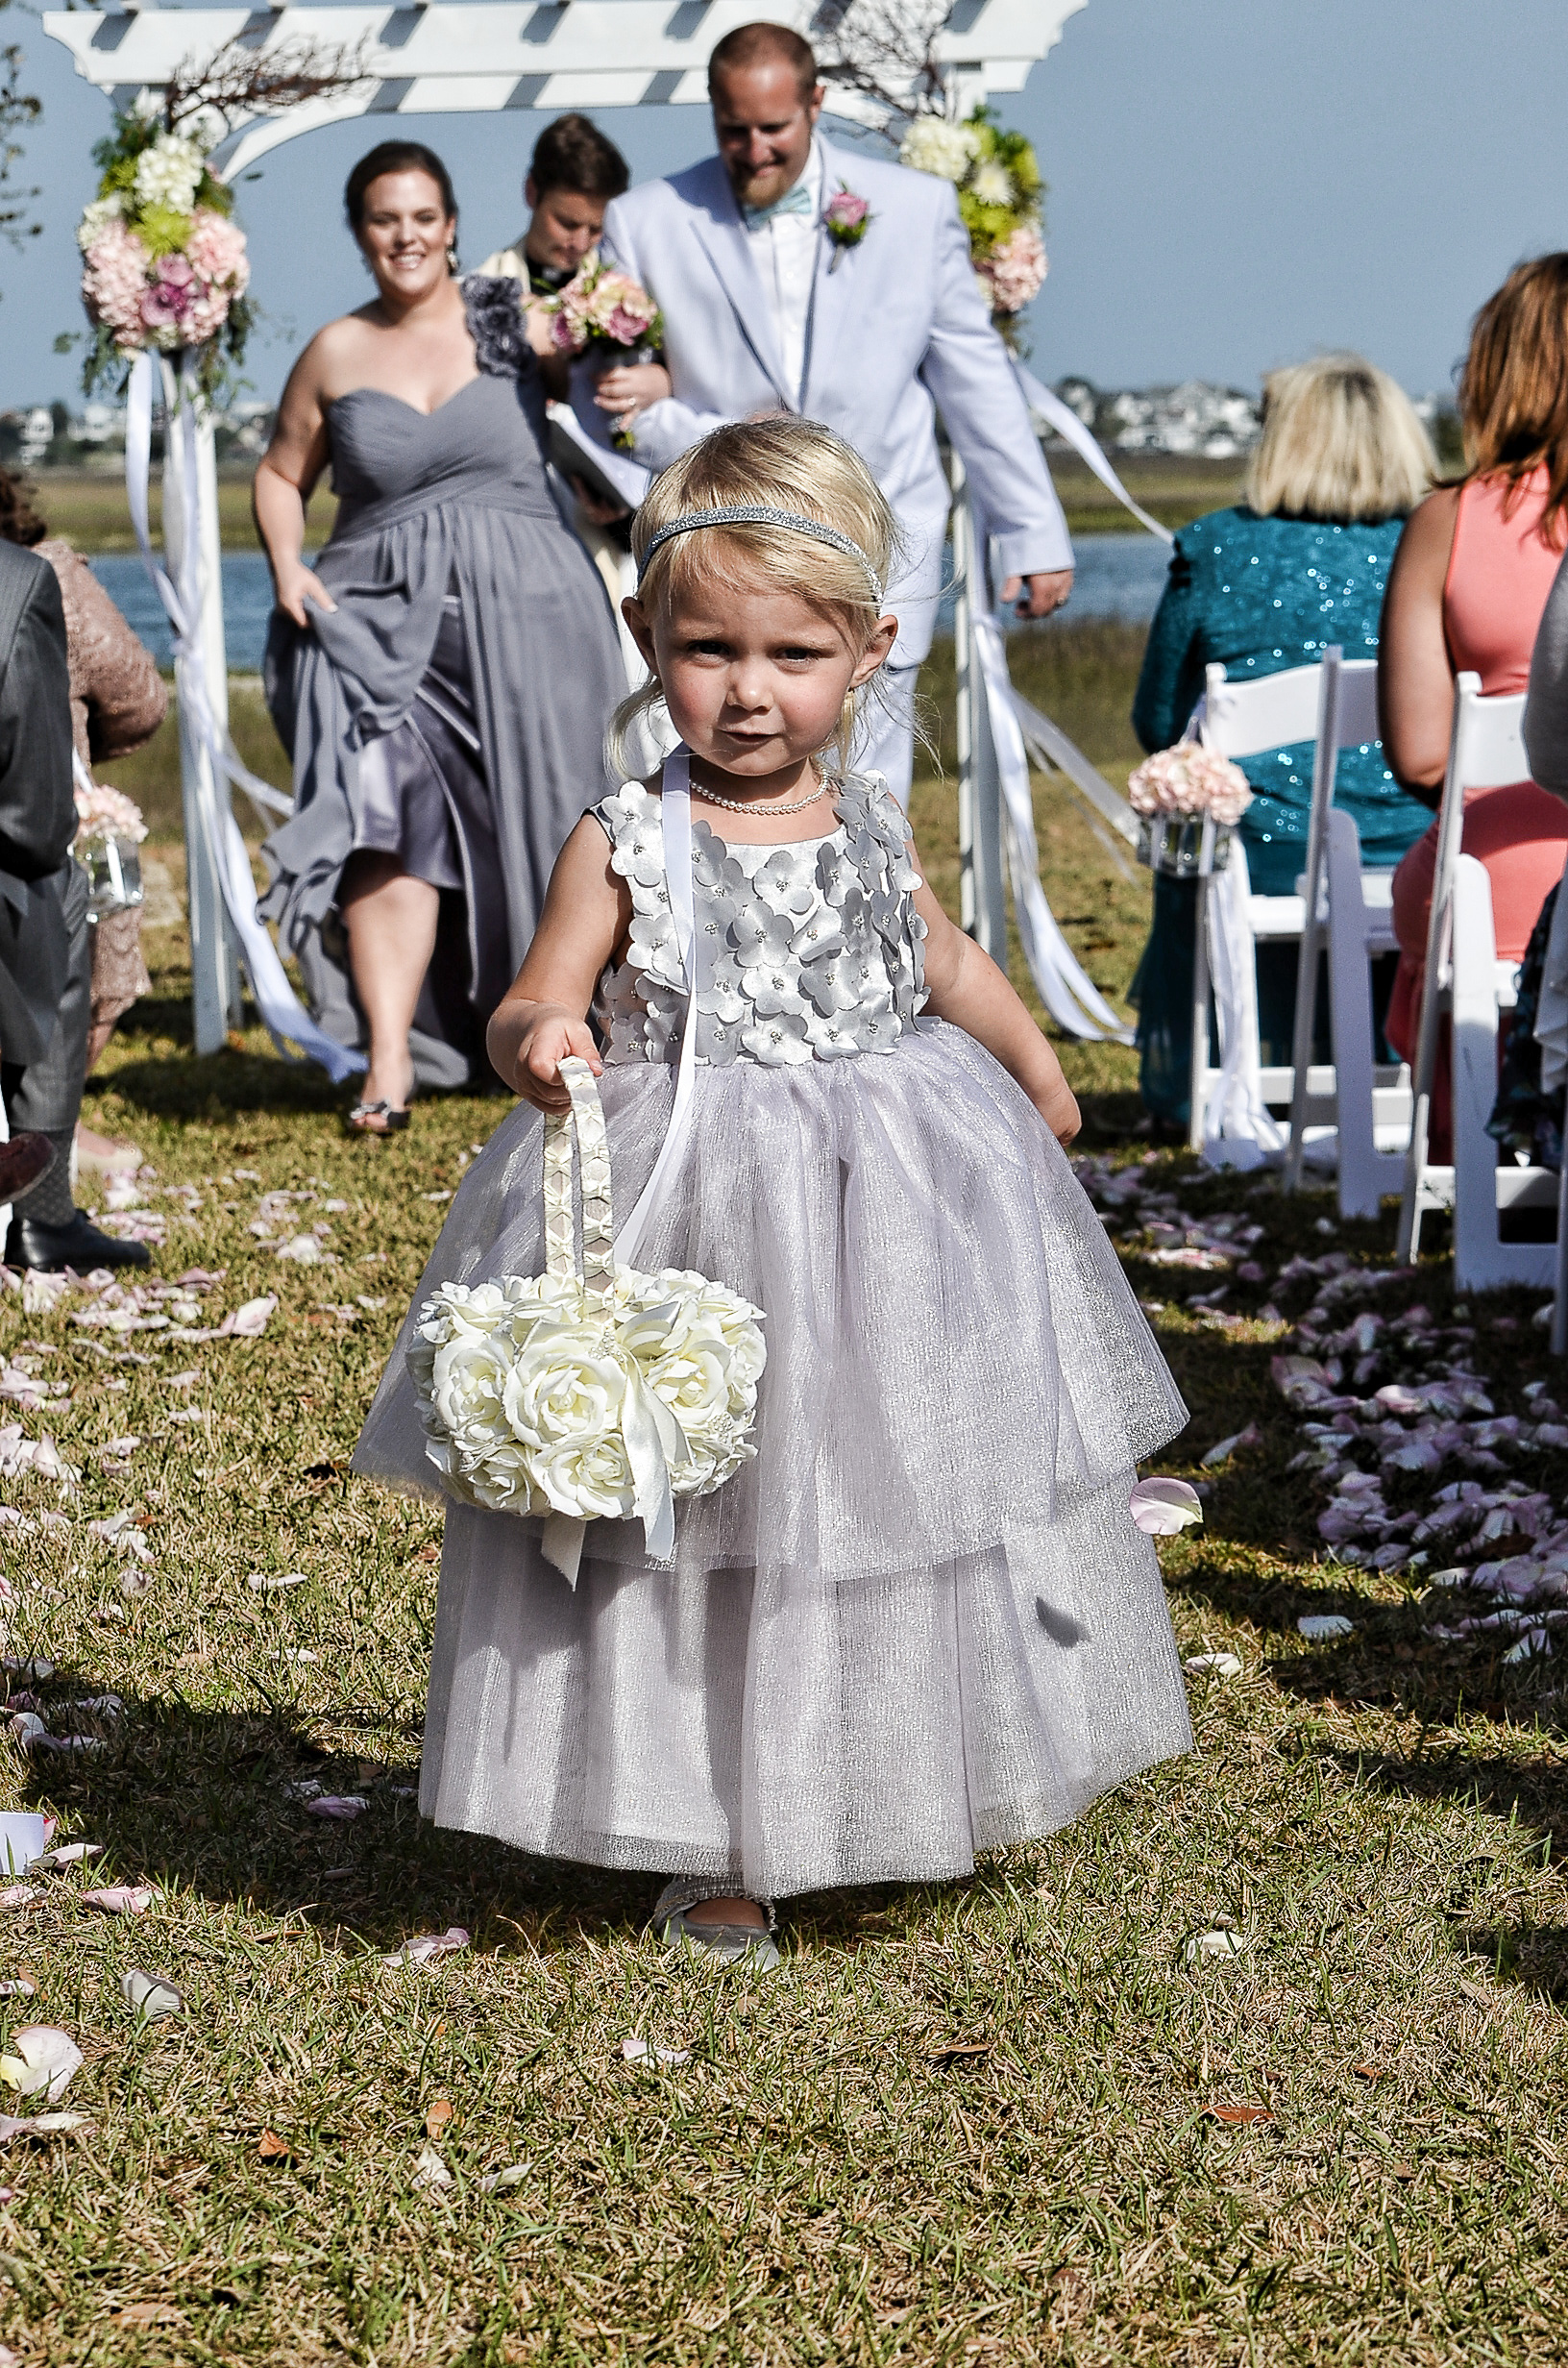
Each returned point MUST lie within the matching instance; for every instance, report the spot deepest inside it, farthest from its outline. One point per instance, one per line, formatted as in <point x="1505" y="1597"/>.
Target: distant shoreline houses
<point x="1196" y="419"/>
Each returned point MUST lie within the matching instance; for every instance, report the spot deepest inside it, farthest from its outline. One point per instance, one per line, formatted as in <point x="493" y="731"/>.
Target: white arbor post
<point x="982" y="893"/>
<point x="215" y="1003"/>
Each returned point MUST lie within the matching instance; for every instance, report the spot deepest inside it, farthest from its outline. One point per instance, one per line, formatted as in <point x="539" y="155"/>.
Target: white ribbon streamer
<point x="1053" y="412"/>
<point x="676" y="817"/>
<point x="1065" y="989"/>
<point x="653" y="1438"/>
<point x="1238" y="1130"/>
<point x="286" y="1020"/>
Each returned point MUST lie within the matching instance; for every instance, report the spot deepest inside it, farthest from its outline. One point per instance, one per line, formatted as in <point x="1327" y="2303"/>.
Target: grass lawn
<point x="1002" y="2118"/>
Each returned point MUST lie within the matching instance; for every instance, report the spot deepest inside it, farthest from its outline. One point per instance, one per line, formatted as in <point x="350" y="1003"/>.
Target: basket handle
<point x="580" y="1127"/>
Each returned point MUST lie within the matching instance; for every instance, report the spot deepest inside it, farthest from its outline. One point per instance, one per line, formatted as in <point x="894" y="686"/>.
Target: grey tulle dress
<point x="921" y="1622"/>
<point x="452" y="707"/>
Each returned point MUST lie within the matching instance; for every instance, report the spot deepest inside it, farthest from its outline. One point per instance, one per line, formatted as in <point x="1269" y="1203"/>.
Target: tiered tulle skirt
<point x="921" y="1622"/>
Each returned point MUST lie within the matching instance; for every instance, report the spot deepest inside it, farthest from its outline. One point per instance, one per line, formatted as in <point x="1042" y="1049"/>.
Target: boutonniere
<point x="846" y="218"/>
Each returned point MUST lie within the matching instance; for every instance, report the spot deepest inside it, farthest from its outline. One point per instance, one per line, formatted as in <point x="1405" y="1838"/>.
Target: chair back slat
<point x="1244" y="719"/>
<point x="1489" y="739"/>
<point x="1357" y="703"/>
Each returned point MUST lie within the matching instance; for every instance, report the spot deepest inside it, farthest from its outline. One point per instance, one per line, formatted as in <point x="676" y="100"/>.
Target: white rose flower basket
<point x="590" y="1392"/>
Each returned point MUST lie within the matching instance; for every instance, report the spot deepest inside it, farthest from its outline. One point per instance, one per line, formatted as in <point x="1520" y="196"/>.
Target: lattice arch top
<point x="460" y="56"/>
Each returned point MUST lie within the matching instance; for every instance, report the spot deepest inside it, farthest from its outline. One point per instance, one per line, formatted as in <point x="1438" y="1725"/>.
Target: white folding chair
<point x="1244" y="719"/>
<point x="1464" y="979"/>
<point x="1347" y="910"/>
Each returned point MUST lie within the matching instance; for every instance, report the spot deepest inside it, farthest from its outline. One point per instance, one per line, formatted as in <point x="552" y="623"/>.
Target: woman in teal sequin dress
<point x="1300" y="564"/>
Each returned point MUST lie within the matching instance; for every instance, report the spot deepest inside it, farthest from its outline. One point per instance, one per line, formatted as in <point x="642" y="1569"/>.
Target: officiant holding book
<point x="796" y="276"/>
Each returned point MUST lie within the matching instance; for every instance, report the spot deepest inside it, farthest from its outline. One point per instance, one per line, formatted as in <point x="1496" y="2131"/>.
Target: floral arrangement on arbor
<point x="1189" y="781"/>
<point x="1000" y="195"/>
<point x="164" y="267"/>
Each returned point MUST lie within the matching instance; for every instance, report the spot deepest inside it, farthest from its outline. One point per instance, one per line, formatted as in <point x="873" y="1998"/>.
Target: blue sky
<point x="1234" y="183"/>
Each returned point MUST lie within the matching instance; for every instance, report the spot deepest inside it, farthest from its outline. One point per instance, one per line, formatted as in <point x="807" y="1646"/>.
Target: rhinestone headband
<point x="755" y="514"/>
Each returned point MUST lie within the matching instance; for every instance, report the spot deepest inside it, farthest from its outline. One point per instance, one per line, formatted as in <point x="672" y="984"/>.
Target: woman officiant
<point x="445" y="675"/>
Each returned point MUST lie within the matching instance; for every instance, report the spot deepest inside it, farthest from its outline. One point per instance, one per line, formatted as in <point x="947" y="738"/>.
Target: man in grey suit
<point x="45" y="955"/>
<point x="764" y="312"/>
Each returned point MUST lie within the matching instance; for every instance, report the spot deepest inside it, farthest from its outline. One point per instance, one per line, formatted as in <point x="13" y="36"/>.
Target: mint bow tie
<point x="794" y="201"/>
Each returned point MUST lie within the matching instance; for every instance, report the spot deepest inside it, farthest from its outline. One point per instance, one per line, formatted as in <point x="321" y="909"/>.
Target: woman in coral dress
<point x="1466" y="595"/>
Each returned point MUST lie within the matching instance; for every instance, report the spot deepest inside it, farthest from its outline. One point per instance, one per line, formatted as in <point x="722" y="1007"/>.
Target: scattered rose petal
<point x="303" y="1250"/>
<point x="1163" y="1507"/>
<point x="1213" y="1664"/>
<point x="638" y="2051"/>
<point x="270" y="1583"/>
<point x="274" y="2149"/>
<point x="19" y="1895"/>
<point x="20" y="1987"/>
<point x="431" y="2173"/>
<point x="1320" y="1627"/>
<point x="426" y="1948"/>
<point x="40" y="2058"/>
<point x="438" y="2113"/>
<point x="34" y="1671"/>
<point x="1243" y="2114"/>
<point x="341" y="1807"/>
<point x="121" y="1899"/>
<point x="1222" y="1943"/>
<point x="250" y="1322"/>
<point x="494" y="2182"/>
<point x="149" y="1996"/>
<point x="37" y="2125"/>
<point x="1224" y="1448"/>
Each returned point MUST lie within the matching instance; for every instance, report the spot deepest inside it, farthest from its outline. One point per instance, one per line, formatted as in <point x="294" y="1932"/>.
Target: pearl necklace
<point x="750" y="806"/>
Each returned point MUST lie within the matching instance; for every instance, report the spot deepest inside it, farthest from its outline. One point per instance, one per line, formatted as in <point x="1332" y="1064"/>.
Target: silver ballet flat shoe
<point x="730" y="1944"/>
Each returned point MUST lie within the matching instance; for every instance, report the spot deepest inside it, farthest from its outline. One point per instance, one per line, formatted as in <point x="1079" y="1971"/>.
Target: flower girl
<point x="918" y="1621"/>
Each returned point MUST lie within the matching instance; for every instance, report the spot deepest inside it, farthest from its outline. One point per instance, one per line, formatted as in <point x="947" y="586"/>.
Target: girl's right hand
<point x="296" y="585"/>
<point x="548" y="1042"/>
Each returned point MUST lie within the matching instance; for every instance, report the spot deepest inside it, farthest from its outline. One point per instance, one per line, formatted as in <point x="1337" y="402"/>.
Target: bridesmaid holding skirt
<point x="444" y="675"/>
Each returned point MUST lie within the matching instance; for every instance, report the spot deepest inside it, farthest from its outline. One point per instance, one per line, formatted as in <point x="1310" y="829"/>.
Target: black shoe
<point x="47" y="1248"/>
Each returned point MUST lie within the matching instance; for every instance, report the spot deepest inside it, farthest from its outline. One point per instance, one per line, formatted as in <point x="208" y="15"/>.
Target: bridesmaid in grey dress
<point x="445" y="675"/>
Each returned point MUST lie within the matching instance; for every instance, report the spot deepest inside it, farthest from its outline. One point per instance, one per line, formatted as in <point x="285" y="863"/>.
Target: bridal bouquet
<point x="103" y="813"/>
<point x="996" y="175"/>
<point x="163" y="265"/>
<point x="606" y="308"/>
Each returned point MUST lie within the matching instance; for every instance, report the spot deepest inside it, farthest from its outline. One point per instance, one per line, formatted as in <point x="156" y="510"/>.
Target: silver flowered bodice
<point x="805" y="953"/>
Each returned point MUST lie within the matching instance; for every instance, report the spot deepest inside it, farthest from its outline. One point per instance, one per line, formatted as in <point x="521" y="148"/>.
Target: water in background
<point x="1118" y="576"/>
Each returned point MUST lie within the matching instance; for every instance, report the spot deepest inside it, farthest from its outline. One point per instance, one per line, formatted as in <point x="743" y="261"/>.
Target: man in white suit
<point x="764" y="312"/>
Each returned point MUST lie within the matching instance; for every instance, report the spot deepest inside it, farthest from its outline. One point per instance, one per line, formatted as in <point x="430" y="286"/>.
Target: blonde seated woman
<point x="1303" y="561"/>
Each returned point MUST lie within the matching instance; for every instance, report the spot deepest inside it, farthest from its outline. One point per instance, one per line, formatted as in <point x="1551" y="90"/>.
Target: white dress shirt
<point x="784" y="248"/>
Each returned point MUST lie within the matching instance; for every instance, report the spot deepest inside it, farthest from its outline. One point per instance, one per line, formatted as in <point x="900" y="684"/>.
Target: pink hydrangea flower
<point x="217" y="251"/>
<point x="1014" y="273"/>
<point x="113" y="275"/>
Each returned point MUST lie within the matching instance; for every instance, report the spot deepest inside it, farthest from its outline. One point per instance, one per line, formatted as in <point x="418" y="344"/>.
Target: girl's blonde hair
<point x="784" y="464"/>
<point x="1340" y="441"/>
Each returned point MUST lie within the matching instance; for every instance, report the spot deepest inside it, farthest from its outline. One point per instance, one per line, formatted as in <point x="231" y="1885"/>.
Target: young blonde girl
<point x="920" y="1622"/>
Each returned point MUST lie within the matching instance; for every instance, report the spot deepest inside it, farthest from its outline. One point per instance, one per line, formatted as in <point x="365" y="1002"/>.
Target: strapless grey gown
<point x="453" y="710"/>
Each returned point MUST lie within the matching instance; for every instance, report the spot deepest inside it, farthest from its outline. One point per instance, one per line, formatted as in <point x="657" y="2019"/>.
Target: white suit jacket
<point x="898" y="329"/>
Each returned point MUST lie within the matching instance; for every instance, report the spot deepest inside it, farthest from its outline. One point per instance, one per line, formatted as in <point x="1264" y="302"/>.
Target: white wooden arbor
<point x="467" y="57"/>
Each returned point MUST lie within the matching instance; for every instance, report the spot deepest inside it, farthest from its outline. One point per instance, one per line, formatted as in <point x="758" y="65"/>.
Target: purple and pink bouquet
<point x="164" y="268"/>
<point x="1013" y="273"/>
<point x="606" y="308"/>
<point x="601" y="307"/>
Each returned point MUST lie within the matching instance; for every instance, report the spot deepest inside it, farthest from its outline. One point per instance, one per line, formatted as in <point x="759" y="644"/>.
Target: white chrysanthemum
<point x="169" y="173"/>
<point x="94" y="218"/>
<point x="933" y="145"/>
<point x="993" y="184"/>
